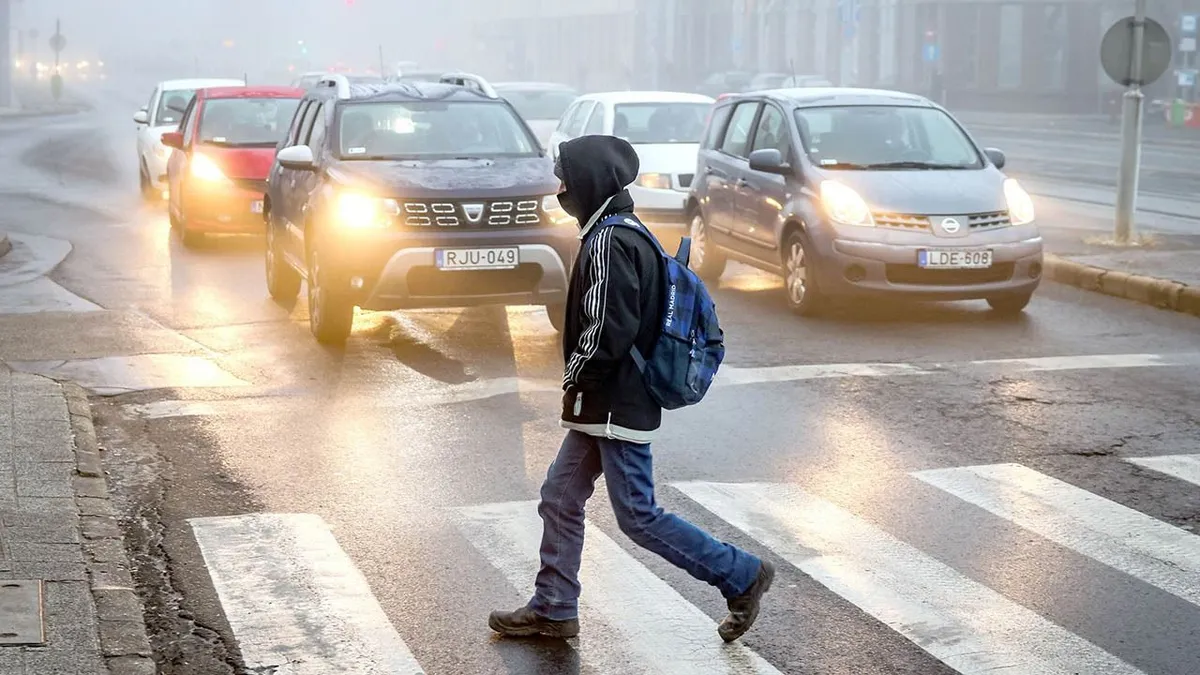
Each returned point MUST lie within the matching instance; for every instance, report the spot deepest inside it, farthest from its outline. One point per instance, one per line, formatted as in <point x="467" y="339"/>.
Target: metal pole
<point x="1131" y="133"/>
<point x="6" y="68"/>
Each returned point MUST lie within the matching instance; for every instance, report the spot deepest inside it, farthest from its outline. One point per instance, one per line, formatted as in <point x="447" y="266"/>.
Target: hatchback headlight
<point x="844" y="205"/>
<point x="655" y="181"/>
<point x="205" y="169"/>
<point x="357" y="211"/>
<point x="1020" y="205"/>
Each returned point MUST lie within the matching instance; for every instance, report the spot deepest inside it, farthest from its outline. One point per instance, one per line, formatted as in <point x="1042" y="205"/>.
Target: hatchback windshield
<point x="246" y="122"/>
<point x="172" y="105"/>
<point x="540" y="104"/>
<point x="885" y="137"/>
<point x="425" y="129"/>
<point x="660" y="122"/>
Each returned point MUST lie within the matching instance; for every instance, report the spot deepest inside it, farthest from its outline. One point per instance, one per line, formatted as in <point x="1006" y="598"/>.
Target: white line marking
<point x="1183" y="467"/>
<point x="627" y="615"/>
<point x="963" y="623"/>
<point x="294" y="599"/>
<point x="1155" y="552"/>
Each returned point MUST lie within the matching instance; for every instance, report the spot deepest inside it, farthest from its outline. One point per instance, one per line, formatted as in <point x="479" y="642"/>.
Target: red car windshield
<point x="246" y="122"/>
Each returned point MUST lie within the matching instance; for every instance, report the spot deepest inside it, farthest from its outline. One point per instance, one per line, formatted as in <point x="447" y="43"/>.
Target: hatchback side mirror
<point x="769" y="160"/>
<point x="141" y="117"/>
<point x="298" y="157"/>
<point x="996" y="157"/>
<point x="173" y="139"/>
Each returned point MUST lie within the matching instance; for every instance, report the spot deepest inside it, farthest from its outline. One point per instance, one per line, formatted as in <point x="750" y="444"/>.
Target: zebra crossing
<point x="297" y="605"/>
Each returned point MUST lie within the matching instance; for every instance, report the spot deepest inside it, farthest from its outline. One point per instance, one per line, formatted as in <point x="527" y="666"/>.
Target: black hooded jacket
<point x="614" y="301"/>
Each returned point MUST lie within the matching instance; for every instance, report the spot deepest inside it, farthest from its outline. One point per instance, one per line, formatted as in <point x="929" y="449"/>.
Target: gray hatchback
<point x="849" y="192"/>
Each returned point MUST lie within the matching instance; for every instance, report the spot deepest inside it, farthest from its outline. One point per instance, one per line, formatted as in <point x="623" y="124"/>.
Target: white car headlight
<point x="844" y="205"/>
<point x="356" y="211"/>
<point x="655" y="181"/>
<point x="1020" y="205"/>
<point x="205" y="169"/>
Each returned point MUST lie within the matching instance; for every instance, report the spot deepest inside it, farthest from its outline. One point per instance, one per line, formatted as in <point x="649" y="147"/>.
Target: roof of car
<point x="613" y="97"/>
<point x="533" y="86"/>
<point x="825" y="96"/>
<point x="200" y="83"/>
<point x="400" y="92"/>
<point x="252" y="92"/>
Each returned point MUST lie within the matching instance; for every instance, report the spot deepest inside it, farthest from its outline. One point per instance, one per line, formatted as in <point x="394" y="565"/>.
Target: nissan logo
<point x="950" y="225"/>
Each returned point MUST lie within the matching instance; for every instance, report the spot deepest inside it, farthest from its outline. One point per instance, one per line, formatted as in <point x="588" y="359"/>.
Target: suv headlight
<point x="357" y="211"/>
<point x="1020" y="205"/>
<point x="655" y="181"/>
<point x="844" y="205"/>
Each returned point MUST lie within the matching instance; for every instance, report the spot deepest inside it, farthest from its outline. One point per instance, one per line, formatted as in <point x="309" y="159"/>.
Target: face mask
<point x="568" y="203"/>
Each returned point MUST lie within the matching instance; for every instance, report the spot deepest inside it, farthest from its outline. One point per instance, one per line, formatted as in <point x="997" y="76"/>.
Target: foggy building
<point x="984" y="54"/>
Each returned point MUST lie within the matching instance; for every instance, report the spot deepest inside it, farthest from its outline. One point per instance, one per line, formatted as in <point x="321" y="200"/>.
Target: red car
<point x="222" y="154"/>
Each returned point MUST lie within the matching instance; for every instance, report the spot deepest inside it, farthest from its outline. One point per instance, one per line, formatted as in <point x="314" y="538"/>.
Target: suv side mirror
<point x="769" y="160"/>
<point x="995" y="156"/>
<point x="141" y="117"/>
<point x="173" y="139"/>
<point x="298" y="157"/>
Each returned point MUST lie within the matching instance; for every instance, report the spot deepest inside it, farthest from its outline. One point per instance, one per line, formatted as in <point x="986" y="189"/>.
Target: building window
<point x="1054" y="43"/>
<point x="1011" y="47"/>
<point x="887" y="42"/>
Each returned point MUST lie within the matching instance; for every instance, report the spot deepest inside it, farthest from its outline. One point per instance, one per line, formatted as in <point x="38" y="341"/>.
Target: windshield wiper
<point x="845" y="165"/>
<point x="909" y="164"/>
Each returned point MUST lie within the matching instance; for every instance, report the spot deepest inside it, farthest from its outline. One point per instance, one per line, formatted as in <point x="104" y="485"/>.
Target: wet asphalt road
<point x="425" y="413"/>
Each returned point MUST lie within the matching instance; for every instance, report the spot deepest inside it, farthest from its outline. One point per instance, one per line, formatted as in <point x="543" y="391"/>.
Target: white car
<point x="663" y="127"/>
<point x="160" y="115"/>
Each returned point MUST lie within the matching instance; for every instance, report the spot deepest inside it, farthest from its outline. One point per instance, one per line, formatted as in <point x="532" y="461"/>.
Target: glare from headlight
<point x="844" y="205"/>
<point x="1020" y="205"/>
<point x="655" y="181"/>
<point x="203" y="168"/>
<point x="357" y="211"/>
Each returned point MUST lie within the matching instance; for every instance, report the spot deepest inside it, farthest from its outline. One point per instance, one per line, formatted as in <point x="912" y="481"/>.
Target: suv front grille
<point x="472" y="214"/>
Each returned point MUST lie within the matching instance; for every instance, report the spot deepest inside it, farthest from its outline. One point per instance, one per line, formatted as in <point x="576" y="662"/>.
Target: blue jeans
<point x="627" y="471"/>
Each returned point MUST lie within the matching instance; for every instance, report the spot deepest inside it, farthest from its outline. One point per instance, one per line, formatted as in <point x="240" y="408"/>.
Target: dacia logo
<point x="670" y="318"/>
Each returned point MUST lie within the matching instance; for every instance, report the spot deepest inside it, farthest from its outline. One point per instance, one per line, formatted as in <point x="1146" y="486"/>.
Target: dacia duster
<point x="411" y="195"/>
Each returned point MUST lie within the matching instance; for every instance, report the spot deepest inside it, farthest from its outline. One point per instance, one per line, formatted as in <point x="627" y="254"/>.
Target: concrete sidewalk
<point x="59" y="531"/>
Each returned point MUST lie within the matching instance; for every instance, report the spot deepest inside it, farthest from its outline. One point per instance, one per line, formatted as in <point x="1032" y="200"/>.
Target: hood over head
<point x="595" y="171"/>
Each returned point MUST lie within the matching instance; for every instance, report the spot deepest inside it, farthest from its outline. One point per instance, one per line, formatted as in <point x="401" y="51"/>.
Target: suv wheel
<point x="707" y="260"/>
<point x="558" y="316"/>
<point x="330" y="311"/>
<point x="803" y="296"/>
<point x="283" y="282"/>
<point x="1010" y="305"/>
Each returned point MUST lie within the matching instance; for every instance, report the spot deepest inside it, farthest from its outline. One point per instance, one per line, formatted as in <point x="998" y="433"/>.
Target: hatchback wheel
<point x="1011" y="304"/>
<point x="707" y="260"/>
<point x="803" y="296"/>
<point x="283" y="282"/>
<point x="330" y="311"/>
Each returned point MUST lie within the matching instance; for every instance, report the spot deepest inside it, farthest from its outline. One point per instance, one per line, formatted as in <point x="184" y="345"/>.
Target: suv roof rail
<point x="338" y="81"/>
<point x="473" y="82"/>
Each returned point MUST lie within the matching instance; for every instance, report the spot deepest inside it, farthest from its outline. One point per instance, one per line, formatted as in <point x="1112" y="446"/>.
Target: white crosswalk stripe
<point x="1183" y="467"/>
<point x="966" y="625"/>
<point x="1153" y="551"/>
<point x="629" y="617"/>
<point x="296" y="603"/>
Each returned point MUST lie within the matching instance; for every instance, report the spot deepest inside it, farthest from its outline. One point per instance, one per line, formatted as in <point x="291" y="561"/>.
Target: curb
<point x="1161" y="293"/>
<point x="5" y="245"/>
<point x="123" y="638"/>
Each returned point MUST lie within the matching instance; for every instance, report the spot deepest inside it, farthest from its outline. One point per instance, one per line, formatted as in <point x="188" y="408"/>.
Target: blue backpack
<point x="691" y="345"/>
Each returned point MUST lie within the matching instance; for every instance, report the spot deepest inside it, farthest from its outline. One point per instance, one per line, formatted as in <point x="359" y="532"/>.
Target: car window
<point x="595" y="125"/>
<point x="660" y="122"/>
<point x="188" y="125"/>
<point x="716" y="125"/>
<point x="567" y="116"/>
<point x="738" y="133"/>
<point x="171" y="106"/>
<point x="540" y="104"/>
<point x="575" y="127"/>
<point x="151" y="103"/>
<point x="316" y="137"/>
<point x="246" y="122"/>
<point x="772" y="132"/>
<point x="871" y="137"/>
<point x="433" y="128"/>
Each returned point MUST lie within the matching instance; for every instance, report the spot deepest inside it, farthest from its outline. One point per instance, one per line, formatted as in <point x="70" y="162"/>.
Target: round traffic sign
<point x="1116" y="52"/>
<point x="58" y="42"/>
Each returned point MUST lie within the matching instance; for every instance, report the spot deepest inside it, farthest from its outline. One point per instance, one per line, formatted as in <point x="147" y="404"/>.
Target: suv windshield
<point x="432" y="129"/>
<point x="246" y="122"/>
<point x="660" y="122"/>
<point x="885" y="137"/>
<point x="171" y="106"/>
<point x="539" y="104"/>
